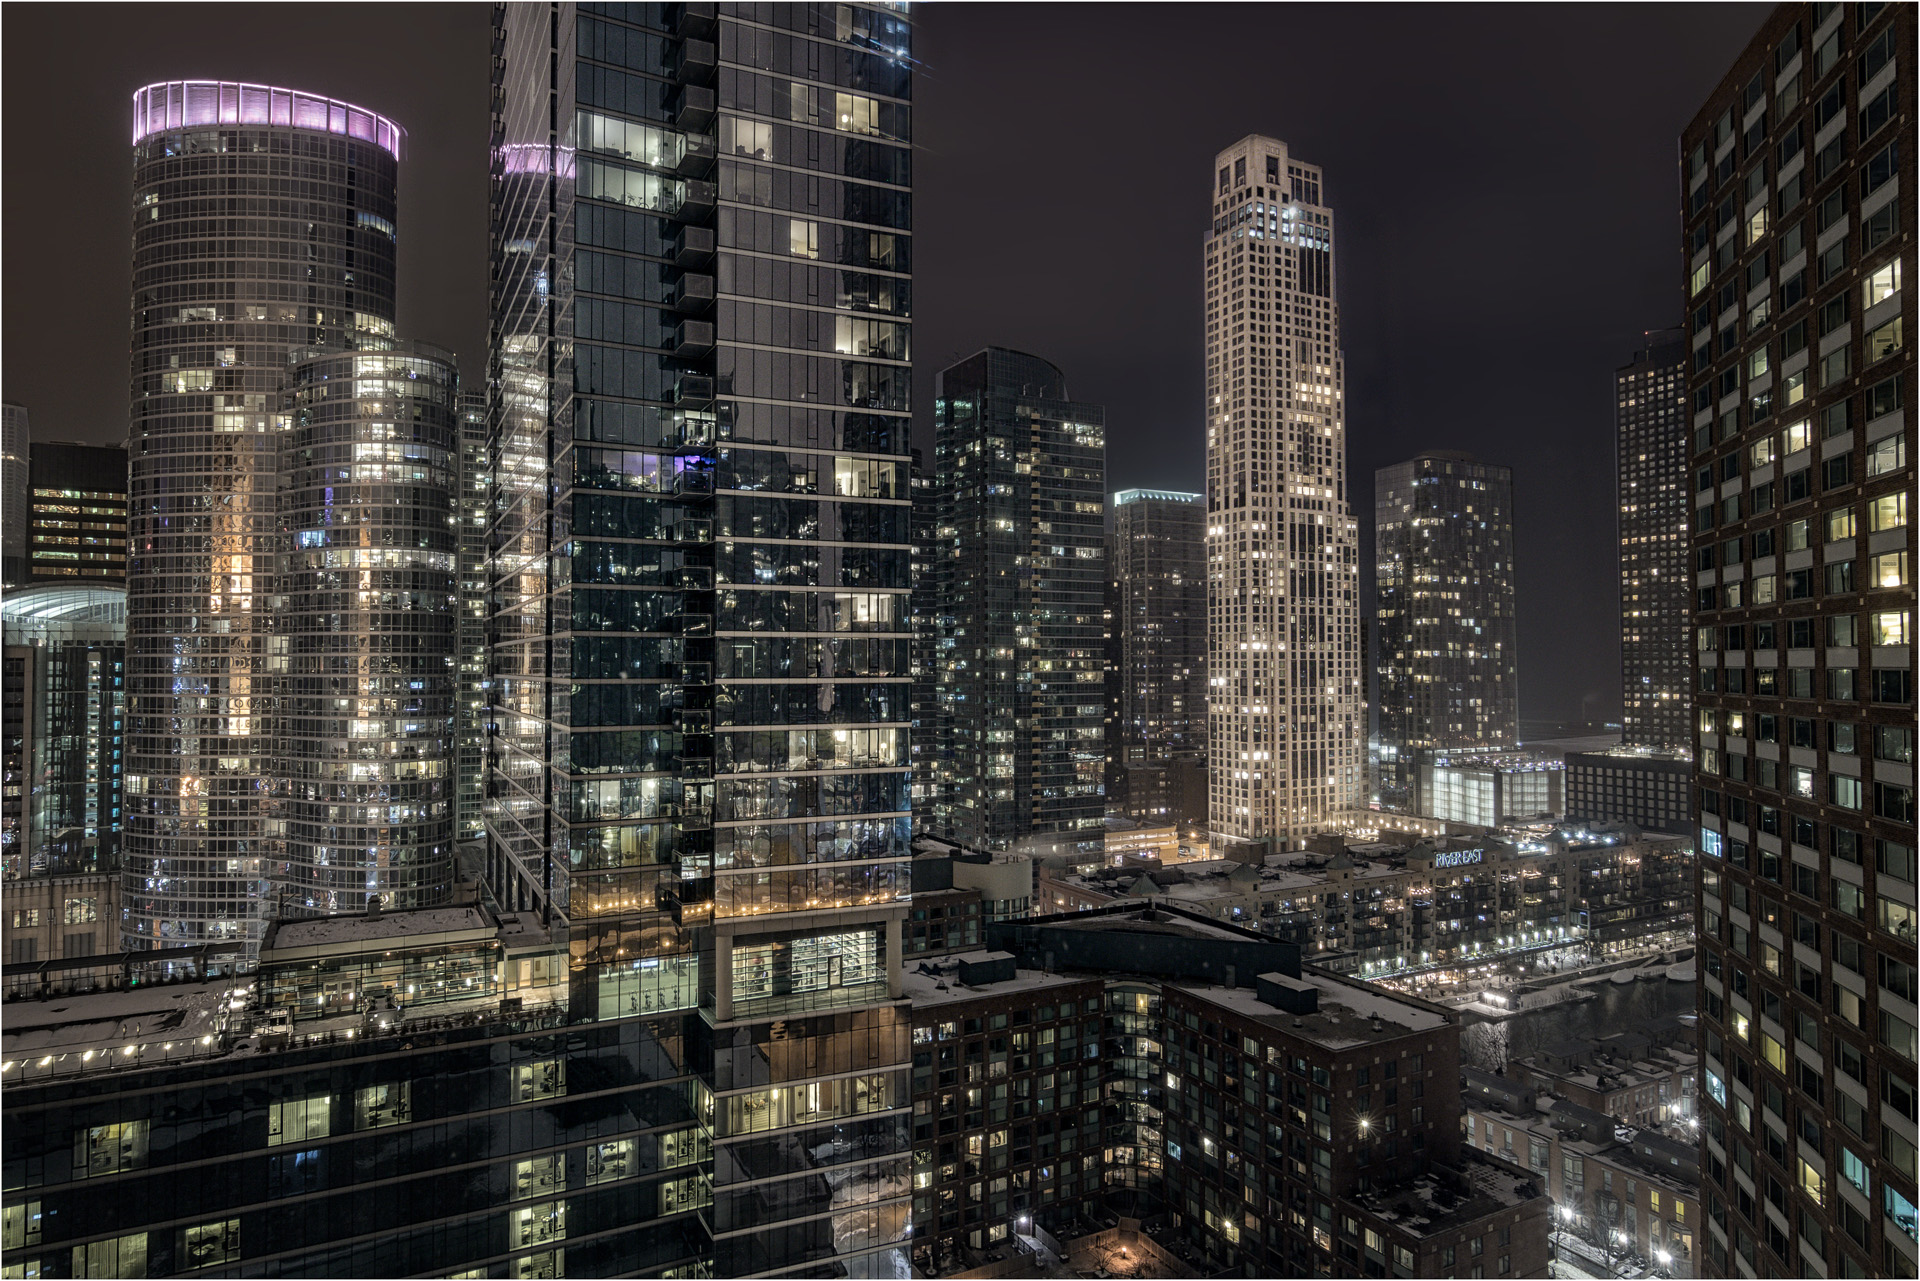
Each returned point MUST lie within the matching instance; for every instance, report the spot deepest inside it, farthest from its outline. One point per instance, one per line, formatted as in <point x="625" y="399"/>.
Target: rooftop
<point x="1347" y="1015"/>
<point x="936" y="981"/>
<point x="409" y="926"/>
<point x="1429" y="1205"/>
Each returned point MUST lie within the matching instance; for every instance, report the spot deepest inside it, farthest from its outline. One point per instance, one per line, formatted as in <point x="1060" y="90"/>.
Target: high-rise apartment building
<point x="314" y="180"/>
<point x="364" y="614"/>
<point x="1799" y="242"/>
<point x="1157" y="565"/>
<point x="699" y="642"/>
<point x="1650" y="434"/>
<point x="77" y="513"/>
<point x="15" y="442"/>
<point x="923" y="520"/>
<point x="470" y="653"/>
<point x="1020" y="471"/>
<point x="1443" y="610"/>
<point x="63" y="734"/>
<point x="1285" y="736"/>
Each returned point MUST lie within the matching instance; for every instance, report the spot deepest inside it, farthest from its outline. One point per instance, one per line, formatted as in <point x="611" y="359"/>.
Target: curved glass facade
<point x="250" y="239"/>
<point x="364" y="623"/>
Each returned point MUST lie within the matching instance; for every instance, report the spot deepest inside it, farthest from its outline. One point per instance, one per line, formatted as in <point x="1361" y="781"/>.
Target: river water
<point x="1620" y="1007"/>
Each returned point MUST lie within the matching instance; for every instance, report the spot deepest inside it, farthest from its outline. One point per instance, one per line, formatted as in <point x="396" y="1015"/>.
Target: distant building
<point x="471" y="510"/>
<point x="77" y="513"/>
<point x="15" y="444"/>
<point x="1649" y="788"/>
<point x="958" y="892"/>
<point x="64" y="737"/>
<point x="1488" y="788"/>
<point x="1286" y="712"/>
<point x="1614" y="1190"/>
<point x="1132" y="1044"/>
<point x="923" y="747"/>
<point x="1443" y="612"/>
<point x="314" y="182"/>
<point x="365" y="733"/>
<point x="1384" y="907"/>
<point x="1652" y="473"/>
<point x="1157" y="565"/>
<point x="1020" y="476"/>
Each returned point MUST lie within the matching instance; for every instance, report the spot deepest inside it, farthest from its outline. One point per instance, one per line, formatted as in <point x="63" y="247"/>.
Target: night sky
<point x="1503" y="181"/>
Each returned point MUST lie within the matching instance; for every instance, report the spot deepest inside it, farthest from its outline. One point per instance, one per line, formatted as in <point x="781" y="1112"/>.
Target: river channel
<point x="1619" y="1007"/>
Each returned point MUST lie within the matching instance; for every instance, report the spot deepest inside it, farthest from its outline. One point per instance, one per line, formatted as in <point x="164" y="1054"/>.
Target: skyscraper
<point x="1158" y="567"/>
<point x="470" y="654"/>
<point x="923" y="520"/>
<point x="15" y="442"/>
<point x="77" y="513"/>
<point x="1650" y="426"/>
<point x="699" y="575"/>
<point x="1443" y="611"/>
<point x="214" y="321"/>
<point x="364" y="618"/>
<point x="1798" y="243"/>
<point x="1285" y="739"/>
<point x="64" y="731"/>
<point x="1021" y="474"/>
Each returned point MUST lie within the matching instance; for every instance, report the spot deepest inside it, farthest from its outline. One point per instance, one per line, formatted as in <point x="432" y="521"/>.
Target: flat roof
<point x="1345" y="1017"/>
<point x="925" y="989"/>
<point x="400" y="927"/>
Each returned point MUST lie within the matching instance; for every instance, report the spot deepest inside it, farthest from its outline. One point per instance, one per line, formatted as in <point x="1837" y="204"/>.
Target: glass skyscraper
<point x="699" y="636"/>
<point x="263" y="221"/>
<point x="1158" y="570"/>
<point x="64" y="731"/>
<point x="363" y="636"/>
<point x="1020" y="564"/>
<point x="1285" y="738"/>
<point x="471" y="510"/>
<point x="1443" y="611"/>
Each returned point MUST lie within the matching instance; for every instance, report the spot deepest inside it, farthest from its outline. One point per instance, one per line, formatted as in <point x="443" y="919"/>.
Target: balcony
<point x="694" y="107"/>
<point x="693" y="390"/>
<point x="693" y="247"/>
<point x="695" y="63"/>
<point x="695" y="22"/>
<point x="693" y="293"/>
<point x="693" y="339"/>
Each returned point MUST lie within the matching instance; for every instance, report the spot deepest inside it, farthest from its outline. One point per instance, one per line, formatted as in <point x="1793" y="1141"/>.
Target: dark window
<point x="1880" y="168"/>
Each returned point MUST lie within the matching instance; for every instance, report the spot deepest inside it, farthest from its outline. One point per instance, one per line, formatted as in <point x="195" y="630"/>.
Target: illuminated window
<point x="110" y="1149"/>
<point x="299" y="1119"/>
<point x="1883" y="283"/>
<point x="208" y="1245"/>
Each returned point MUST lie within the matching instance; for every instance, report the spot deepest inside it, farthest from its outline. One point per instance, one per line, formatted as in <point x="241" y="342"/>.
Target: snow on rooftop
<point x="331" y="930"/>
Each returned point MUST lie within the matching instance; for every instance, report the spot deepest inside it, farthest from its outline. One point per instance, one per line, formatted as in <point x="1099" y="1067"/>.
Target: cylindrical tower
<point x="364" y="620"/>
<point x="263" y="221"/>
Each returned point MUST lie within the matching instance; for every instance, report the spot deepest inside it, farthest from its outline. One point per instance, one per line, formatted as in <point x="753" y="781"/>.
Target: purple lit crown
<point x="184" y="104"/>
